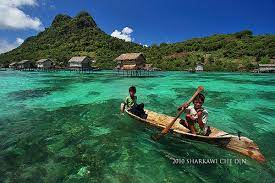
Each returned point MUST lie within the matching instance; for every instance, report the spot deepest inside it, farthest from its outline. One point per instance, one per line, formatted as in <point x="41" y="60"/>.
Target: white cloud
<point x="11" y="17"/>
<point x="144" y="45"/>
<point x="47" y="3"/>
<point x="19" y="40"/>
<point x="125" y="34"/>
<point x="17" y="3"/>
<point x="52" y="6"/>
<point x="6" y="46"/>
<point x="127" y="30"/>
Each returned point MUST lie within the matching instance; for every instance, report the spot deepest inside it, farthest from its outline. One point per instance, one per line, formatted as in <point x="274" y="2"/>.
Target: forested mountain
<point x="77" y="36"/>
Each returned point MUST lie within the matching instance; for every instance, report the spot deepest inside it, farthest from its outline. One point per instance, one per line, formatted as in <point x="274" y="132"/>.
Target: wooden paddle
<point x="167" y="128"/>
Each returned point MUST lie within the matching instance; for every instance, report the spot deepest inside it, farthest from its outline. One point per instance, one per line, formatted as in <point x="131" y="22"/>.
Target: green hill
<point x="68" y="37"/>
<point x="224" y="52"/>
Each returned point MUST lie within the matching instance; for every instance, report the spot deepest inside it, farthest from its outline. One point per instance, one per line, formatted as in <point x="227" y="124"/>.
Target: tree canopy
<point x="80" y="36"/>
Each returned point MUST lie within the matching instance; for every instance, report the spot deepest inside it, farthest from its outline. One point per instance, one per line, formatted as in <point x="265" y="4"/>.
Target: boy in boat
<point x="131" y="105"/>
<point x="196" y="116"/>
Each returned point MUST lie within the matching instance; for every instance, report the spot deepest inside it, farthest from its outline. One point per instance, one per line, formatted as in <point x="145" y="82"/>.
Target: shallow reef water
<point x="67" y="127"/>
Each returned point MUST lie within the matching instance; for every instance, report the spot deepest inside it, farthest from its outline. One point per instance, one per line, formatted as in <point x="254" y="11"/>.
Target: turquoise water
<point x="67" y="127"/>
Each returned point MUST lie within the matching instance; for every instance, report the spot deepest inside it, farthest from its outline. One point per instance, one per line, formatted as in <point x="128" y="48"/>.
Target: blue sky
<point x="150" y="21"/>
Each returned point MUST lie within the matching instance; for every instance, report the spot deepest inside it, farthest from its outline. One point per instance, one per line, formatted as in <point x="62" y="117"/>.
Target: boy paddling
<point x="196" y="116"/>
<point x="131" y="105"/>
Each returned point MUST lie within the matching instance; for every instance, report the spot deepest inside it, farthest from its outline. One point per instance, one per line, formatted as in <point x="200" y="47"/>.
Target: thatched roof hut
<point x="130" y="56"/>
<point x="79" y="62"/>
<point x="131" y="61"/>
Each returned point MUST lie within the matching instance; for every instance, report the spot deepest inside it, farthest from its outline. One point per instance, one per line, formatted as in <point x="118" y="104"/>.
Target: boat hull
<point x="242" y="145"/>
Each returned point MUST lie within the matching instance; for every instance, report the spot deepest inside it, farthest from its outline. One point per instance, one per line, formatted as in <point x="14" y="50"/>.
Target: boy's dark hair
<point x="132" y="88"/>
<point x="199" y="96"/>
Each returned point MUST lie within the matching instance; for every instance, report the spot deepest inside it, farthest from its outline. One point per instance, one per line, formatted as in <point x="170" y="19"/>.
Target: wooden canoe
<point x="242" y="145"/>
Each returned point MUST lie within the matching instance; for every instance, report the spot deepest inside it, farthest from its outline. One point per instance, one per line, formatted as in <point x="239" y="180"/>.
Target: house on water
<point x="80" y="62"/>
<point x="130" y="61"/>
<point x="44" y="64"/>
<point x="199" y="67"/>
<point x="266" y="68"/>
<point x="13" y="65"/>
<point x="132" y="64"/>
<point x="24" y="65"/>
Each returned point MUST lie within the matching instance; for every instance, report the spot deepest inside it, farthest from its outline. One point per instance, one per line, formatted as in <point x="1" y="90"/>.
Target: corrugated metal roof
<point x="78" y="59"/>
<point x="267" y="65"/>
<point x="23" y="61"/>
<point x="13" y="63"/>
<point x="42" y="60"/>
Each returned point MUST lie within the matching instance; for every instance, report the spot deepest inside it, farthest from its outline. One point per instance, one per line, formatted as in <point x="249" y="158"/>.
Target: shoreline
<point x="66" y="70"/>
